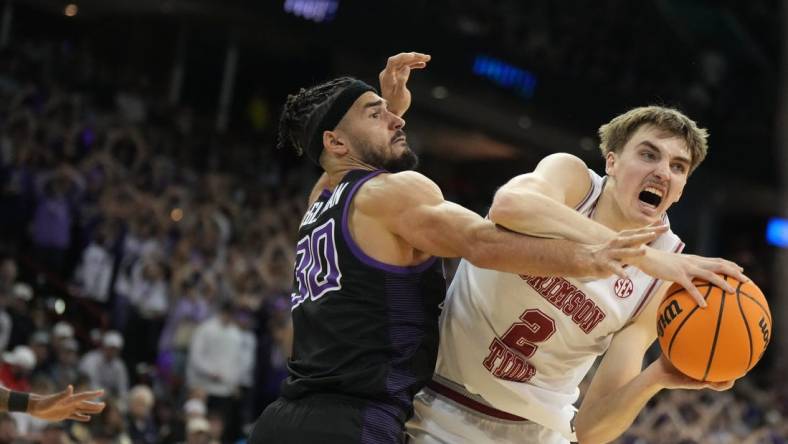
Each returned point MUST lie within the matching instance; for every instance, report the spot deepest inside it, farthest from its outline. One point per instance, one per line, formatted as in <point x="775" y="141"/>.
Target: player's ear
<point x="334" y="143"/>
<point x="610" y="163"/>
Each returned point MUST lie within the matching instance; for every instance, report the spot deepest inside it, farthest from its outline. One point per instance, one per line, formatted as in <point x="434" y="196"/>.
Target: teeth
<point x="654" y="190"/>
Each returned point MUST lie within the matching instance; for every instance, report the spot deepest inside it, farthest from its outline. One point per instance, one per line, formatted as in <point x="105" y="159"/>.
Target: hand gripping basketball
<point x="671" y="378"/>
<point x="684" y="268"/>
<point x="722" y="342"/>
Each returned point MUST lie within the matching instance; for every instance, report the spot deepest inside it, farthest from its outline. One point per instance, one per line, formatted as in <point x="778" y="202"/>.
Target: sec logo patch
<point x="623" y="287"/>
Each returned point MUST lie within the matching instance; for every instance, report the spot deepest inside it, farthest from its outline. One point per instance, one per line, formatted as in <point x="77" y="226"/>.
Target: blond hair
<point x="616" y="133"/>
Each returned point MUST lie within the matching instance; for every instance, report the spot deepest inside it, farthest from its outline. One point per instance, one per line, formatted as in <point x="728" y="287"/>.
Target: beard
<point x="375" y="155"/>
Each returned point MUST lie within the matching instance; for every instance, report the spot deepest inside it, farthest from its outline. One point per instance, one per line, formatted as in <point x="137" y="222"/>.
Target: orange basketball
<point x="721" y="342"/>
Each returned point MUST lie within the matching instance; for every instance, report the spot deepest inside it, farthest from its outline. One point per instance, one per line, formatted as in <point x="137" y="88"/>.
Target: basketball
<point x="721" y="342"/>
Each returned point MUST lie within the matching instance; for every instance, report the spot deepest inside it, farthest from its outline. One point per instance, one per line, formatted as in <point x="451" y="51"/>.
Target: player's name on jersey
<point x="569" y="299"/>
<point x="320" y="207"/>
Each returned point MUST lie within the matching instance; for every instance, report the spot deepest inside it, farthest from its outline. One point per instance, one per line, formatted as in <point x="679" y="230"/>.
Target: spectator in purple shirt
<point x="188" y="312"/>
<point x="50" y="228"/>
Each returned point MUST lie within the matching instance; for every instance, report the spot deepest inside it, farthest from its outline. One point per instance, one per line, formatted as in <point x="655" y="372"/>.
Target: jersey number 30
<point x="509" y="353"/>
<point x="317" y="269"/>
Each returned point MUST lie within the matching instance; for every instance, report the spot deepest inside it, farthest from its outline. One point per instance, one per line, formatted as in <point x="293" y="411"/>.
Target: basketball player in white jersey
<point x="515" y="348"/>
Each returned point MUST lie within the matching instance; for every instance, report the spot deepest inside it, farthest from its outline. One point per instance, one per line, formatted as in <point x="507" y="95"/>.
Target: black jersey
<point x="362" y="328"/>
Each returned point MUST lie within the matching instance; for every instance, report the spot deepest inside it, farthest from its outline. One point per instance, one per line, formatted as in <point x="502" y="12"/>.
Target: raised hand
<point x="626" y="248"/>
<point x="394" y="79"/>
<point x="65" y="405"/>
<point x="683" y="268"/>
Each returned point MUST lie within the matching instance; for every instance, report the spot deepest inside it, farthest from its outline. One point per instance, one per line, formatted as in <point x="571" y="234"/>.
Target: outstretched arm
<point x="56" y="407"/>
<point x="412" y="207"/>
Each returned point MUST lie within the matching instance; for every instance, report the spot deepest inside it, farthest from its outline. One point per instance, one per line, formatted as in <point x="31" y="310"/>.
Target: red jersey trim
<point x="459" y="398"/>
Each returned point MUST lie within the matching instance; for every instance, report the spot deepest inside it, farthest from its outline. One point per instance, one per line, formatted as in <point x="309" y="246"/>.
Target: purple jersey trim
<point x="360" y="255"/>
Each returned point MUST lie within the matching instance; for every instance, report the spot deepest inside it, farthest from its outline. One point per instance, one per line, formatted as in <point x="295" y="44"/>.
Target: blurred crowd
<point x="143" y="253"/>
<point x="131" y="261"/>
<point x="744" y="416"/>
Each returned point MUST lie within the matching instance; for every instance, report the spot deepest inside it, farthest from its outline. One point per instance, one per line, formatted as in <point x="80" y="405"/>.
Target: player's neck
<point x="338" y="171"/>
<point x="610" y="214"/>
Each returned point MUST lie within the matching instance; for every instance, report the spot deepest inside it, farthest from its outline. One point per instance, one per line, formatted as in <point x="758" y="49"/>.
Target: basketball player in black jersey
<point x="367" y="284"/>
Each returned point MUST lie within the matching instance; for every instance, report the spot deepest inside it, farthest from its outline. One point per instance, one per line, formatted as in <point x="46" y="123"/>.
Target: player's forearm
<point x="495" y="248"/>
<point x="608" y="417"/>
<point x="533" y="213"/>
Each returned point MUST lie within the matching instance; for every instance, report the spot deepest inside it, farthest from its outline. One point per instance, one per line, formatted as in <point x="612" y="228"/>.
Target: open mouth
<point x="651" y="196"/>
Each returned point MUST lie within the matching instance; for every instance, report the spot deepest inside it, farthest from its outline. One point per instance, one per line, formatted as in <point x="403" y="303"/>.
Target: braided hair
<point x="303" y="111"/>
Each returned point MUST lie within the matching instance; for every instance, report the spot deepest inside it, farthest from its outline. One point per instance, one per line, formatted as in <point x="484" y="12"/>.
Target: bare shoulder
<point x="563" y="167"/>
<point x="562" y="176"/>
<point x="409" y="181"/>
<point x="395" y="192"/>
<point x="564" y="160"/>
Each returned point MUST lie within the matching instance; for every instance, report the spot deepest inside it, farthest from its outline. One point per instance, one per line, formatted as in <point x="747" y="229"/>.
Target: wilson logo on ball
<point x="623" y="287"/>
<point x="668" y="315"/>
<point x="764" y="330"/>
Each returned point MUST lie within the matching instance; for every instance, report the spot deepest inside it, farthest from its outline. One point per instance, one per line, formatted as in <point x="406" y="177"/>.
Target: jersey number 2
<point x="317" y="268"/>
<point x="509" y="353"/>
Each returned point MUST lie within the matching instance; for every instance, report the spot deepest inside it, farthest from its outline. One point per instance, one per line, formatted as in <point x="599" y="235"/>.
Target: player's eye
<point x="648" y="155"/>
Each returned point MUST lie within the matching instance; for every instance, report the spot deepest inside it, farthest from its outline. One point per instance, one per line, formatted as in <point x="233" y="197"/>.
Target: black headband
<point x="336" y="111"/>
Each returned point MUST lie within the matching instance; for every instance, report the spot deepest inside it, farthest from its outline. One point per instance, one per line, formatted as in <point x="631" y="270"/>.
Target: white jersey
<point x="524" y="343"/>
